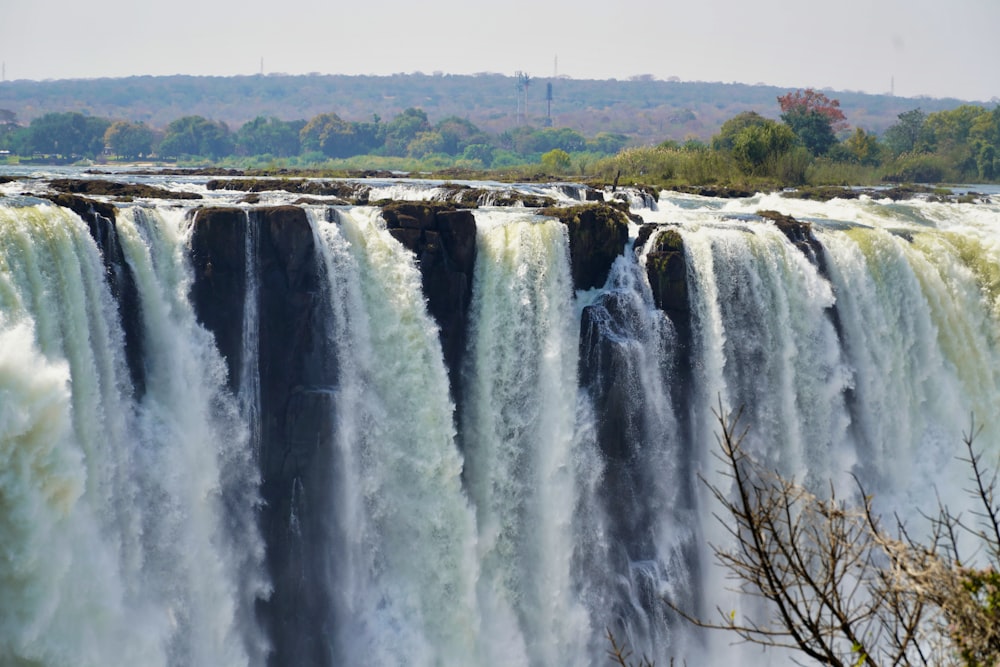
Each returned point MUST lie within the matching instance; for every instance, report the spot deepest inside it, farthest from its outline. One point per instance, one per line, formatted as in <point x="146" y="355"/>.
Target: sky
<point x="935" y="48"/>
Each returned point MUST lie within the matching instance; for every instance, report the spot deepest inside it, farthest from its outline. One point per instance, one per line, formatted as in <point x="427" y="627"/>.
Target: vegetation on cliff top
<point x="811" y="144"/>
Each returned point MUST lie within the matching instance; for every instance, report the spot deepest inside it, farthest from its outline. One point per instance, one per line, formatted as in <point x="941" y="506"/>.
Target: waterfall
<point x="124" y="554"/>
<point x="201" y="542"/>
<point x="406" y="589"/>
<point x="518" y="436"/>
<point x="771" y="347"/>
<point x="248" y="394"/>
<point x="627" y="360"/>
<point x="255" y="456"/>
<point x="70" y="587"/>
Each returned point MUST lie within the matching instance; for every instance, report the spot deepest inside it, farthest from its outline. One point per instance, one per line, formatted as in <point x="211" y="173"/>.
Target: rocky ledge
<point x="443" y="238"/>
<point x="119" y="191"/>
<point x="598" y="233"/>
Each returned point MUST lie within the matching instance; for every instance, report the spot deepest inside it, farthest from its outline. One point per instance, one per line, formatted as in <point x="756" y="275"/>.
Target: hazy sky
<point x="940" y="48"/>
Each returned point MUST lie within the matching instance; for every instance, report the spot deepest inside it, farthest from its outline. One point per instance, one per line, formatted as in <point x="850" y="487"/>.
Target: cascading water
<point x="406" y="587"/>
<point x="195" y="456"/>
<point x="522" y="461"/>
<point x="248" y="394"/>
<point x="763" y="320"/>
<point x="628" y="366"/>
<point x="122" y="553"/>
<point x="563" y="498"/>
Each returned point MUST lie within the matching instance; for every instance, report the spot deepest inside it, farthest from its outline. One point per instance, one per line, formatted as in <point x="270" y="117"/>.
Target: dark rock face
<point x="123" y="191"/>
<point x="799" y="233"/>
<point x="100" y="219"/>
<point x="217" y="292"/>
<point x="638" y="441"/>
<point x="666" y="269"/>
<point x="606" y="370"/>
<point x="443" y="238"/>
<point x="354" y="192"/>
<point x="297" y="391"/>
<point x="597" y="235"/>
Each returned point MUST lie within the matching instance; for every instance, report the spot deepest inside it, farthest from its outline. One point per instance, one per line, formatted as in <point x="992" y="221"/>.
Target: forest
<point x="799" y="137"/>
<point x="644" y="108"/>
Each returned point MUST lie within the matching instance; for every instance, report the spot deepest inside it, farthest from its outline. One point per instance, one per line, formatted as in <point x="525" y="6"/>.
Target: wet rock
<point x="597" y="235"/>
<point x="100" y="218"/>
<point x="800" y="234"/>
<point x="345" y="191"/>
<point x="120" y="191"/>
<point x="443" y="238"/>
<point x="297" y="382"/>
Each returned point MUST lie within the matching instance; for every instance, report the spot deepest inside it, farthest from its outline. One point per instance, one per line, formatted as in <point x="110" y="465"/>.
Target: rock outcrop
<point x="297" y="388"/>
<point x="666" y="269"/>
<point x="799" y="233"/>
<point x="597" y="235"/>
<point x="120" y="191"/>
<point x="344" y="190"/>
<point x="443" y="238"/>
<point x="100" y="218"/>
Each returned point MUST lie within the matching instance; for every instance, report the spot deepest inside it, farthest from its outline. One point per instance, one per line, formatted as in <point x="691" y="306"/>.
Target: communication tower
<point x="522" y="83"/>
<point x="548" y="104"/>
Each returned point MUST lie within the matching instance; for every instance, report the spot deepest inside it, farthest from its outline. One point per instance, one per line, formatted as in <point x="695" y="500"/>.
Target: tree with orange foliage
<point x="814" y="118"/>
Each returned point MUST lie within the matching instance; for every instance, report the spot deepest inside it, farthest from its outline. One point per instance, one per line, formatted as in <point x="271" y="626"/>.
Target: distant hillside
<point x="647" y="110"/>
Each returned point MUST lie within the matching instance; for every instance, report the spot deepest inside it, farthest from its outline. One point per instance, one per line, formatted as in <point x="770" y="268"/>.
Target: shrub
<point x="556" y="161"/>
<point x="918" y="168"/>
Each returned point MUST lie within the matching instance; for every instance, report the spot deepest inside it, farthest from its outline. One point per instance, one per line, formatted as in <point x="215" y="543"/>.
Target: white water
<point x="890" y="397"/>
<point x="248" y="394"/>
<point x="127" y="524"/>
<point x="114" y="546"/>
<point x="518" y="433"/>
<point x="660" y="513"/>
<point x="408" y="589"/>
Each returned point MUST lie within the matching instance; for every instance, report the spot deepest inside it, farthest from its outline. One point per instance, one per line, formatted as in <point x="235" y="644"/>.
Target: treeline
<point x="813" y="144"/>
<point x="645" y="109"/>
<point x="452" y="141"/>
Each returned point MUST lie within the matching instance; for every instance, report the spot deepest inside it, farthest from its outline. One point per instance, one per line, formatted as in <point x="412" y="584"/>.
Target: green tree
<point x="556" y="161"/>
<point x="863" y="146"/>
<point x="811" y="128"/>
<point x="563" y="138"/>
<point x="988" y="162"/>
<point x="403" y="129"/>
<point x="607" y="142"/>
<point x="71" y="133"/>
<point x="8" y="129"/>
<point x="338" y="138"/>
<point x="984" y="135"/>
<point x="426" y="143"/>
<point x="129" y="140"/>
<point x="457" y="133"/>
<point x="196" y="135"/>
<point x="758" y="148"/>
<point x="906" y="135"/>
<point x="949" y="134"/>
<point x="483" y="153"/>
<point x="950" y="129"/>
<point x="726" y="138"/>
<point x="269" y="136"/>
<point x="520" y="140"/>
